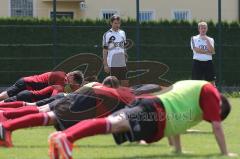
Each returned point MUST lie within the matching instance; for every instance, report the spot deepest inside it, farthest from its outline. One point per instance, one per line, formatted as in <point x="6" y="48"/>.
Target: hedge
<point x="26" y="45"/>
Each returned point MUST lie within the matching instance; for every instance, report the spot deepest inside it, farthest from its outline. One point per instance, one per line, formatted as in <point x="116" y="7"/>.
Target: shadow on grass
<point x="168" y="156"/>
<point x="116" y="146"/>
<point x="30" y="146"/>
<point x="93" y="146"/>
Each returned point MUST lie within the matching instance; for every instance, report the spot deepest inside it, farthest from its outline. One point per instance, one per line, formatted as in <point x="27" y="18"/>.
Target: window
<point x="107" y="14"/>
<point x="22" y="8"/>
<point x="63" y="15"/>
<point x="181" y="14"/>
<point x="146" y="16"/>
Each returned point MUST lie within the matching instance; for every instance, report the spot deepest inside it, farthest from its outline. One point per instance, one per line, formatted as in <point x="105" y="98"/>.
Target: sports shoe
<point x="5" y="137"/>
<point x="59" y="144"/>
<point x="53" y="151"/>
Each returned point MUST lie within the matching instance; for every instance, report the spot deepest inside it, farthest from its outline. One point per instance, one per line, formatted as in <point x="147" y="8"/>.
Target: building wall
<point x="45" y="7"/>
<point x="4" y="8"/>
<point x="200" y="10"/>
<point x="230" y="9"/>
<point x="125" y="7"/>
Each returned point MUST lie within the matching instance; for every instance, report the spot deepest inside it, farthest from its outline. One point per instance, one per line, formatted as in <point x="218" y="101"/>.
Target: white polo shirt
<point x="197" y="42"/>
<point x="114" y="42"/>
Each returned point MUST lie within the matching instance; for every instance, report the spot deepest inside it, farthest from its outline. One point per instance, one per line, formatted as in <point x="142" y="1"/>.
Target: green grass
<point x="32" y="144"/>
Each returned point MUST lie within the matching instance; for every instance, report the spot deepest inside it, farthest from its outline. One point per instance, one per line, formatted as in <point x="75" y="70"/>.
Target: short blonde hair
<point x="202" y="24"/>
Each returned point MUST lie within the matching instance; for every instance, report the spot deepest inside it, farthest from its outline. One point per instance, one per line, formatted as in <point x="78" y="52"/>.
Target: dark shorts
<point x="74" y="108"/>
<point x="27" y="96"/>
<point x="119" y="72"/>
<point x="19" y="86"/>
<point x="146" y="88"/>
<point x="203" y="70"/>
<point x="50" y="100"/>
<point x="22" y="85"/>
<point x="142" y="119"/>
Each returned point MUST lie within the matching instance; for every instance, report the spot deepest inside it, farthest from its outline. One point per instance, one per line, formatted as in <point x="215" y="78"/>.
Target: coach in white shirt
<point x="203" y="49"/>
<point x="114" y="53"/>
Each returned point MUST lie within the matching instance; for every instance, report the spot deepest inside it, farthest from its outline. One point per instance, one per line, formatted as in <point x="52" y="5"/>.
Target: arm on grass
<point x="219" y="135"/>
<point x="176" y="142"/>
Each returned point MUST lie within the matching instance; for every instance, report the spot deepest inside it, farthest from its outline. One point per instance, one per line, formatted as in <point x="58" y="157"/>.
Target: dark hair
<point x="225" y="107"/>
<point x="111" y="81"/>
<point x="78" y="76"/>
<point x="115" y="17"/>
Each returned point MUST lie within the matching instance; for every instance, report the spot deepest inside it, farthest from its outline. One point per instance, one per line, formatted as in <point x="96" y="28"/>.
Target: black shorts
<point x="74" y="108"/>
<point x="50" y="100"/>
<point x="66" y="109"/>
<point x="119" y="72"/>
<point x="19" y="86"/>
<point x="22" y="85"/>
<point x="26" y="96"/>
<point x="203" y="70"/>
<point x="145" y="88"/>
<point x="142" y="119"/>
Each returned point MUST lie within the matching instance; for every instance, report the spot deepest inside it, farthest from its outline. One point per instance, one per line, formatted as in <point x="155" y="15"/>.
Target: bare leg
<point x="119" y="123"/>
<point x="52" y="118"/>
<point x="61" y="143"/>
<point x="30" y="104"/>
<point x="3" y="95"/>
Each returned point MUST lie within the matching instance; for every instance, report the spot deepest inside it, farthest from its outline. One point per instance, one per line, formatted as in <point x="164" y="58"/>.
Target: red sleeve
<point x="57" y="78"/>
<point x="210" y="103"/>
<point x="50" y="90"/>
<point x="44" y="91"/>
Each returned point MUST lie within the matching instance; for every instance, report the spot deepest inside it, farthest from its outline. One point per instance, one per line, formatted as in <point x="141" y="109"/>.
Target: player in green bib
<point x="167" y="113"/>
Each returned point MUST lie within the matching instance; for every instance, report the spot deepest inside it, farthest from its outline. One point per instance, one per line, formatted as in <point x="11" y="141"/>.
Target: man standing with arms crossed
<point x="203" y="49"/>
<point x="114" y="53"/>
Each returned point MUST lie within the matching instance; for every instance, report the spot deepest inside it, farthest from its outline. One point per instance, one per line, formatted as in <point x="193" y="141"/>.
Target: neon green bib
<point x="91" y="84"/>
<point x="85" y="88"/>
<point x="182" y="106"/>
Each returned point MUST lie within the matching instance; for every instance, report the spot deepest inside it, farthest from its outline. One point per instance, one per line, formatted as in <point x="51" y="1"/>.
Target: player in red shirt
<point x="109" y="81"/>
<point x="34" y="96"/>
<point x="91" y="101"/>
<point x="55" y="96"/>
<point x="87" y="102"/>
<point x="42" y="86"/>
<point x="150" y="120"/>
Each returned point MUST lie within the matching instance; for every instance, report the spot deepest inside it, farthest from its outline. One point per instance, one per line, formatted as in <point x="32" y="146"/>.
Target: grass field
<point x="32" y="144"/>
